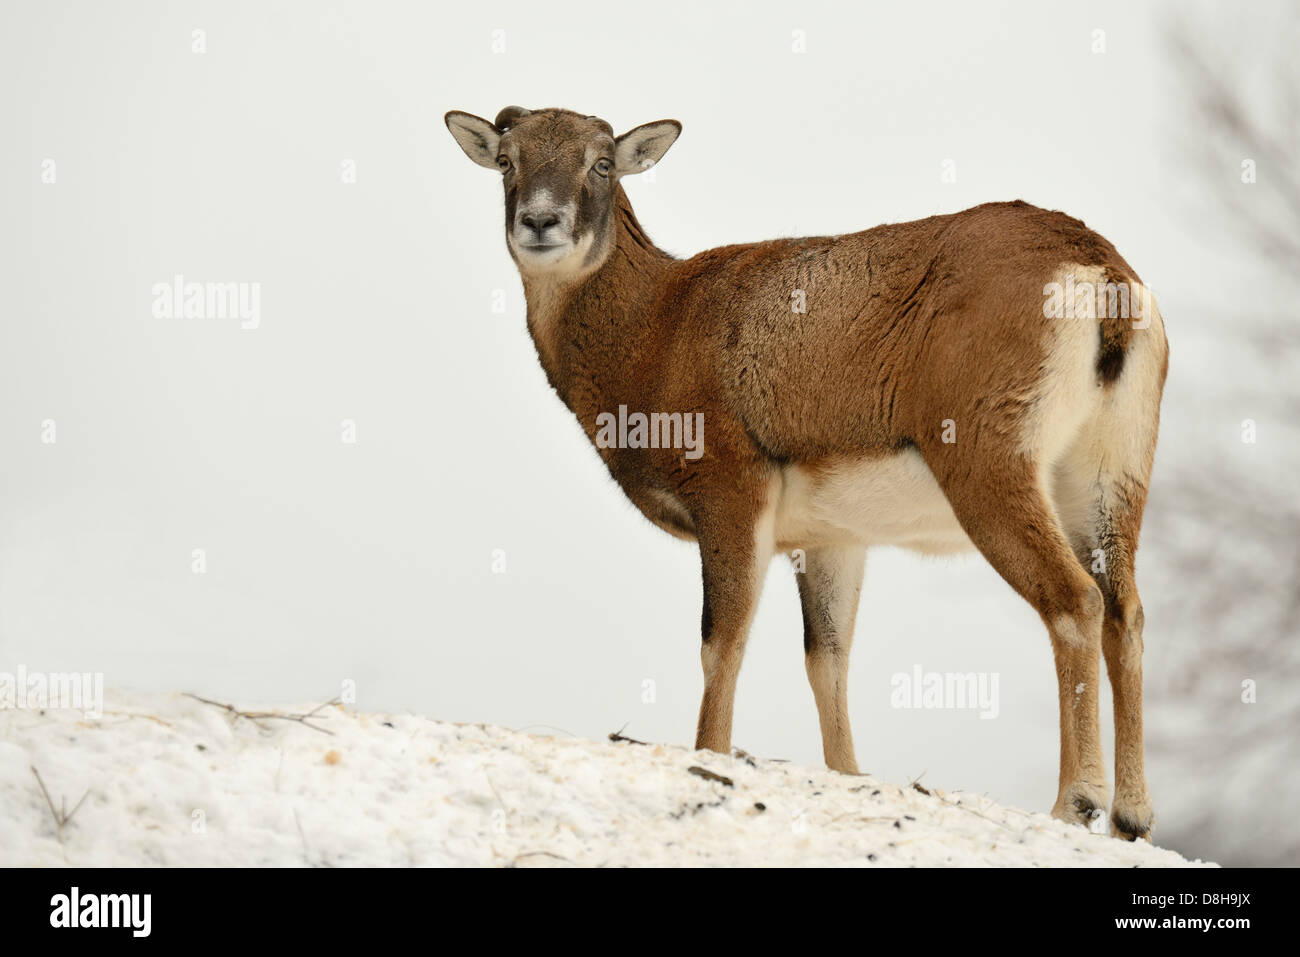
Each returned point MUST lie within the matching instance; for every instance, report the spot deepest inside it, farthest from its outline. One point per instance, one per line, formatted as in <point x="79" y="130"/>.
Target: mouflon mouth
<point x="542" y="252"/>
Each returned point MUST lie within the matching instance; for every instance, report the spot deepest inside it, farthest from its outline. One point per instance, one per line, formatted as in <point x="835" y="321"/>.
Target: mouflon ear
<point x="509" y="116"/>
<point x="476" y="136"/>
<point x="641" y="148"/>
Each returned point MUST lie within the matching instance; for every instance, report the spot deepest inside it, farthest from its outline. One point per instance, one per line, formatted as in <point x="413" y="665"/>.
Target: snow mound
<point x="170" y="780"/>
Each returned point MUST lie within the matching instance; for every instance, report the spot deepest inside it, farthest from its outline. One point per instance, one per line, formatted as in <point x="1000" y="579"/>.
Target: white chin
<point x="542" y="255"/>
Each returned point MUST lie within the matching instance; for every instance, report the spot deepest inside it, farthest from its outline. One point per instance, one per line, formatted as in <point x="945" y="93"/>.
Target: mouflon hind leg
<point x="1011" y="521"/>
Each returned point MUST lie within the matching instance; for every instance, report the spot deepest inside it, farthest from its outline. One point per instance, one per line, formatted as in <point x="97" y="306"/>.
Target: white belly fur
<point x="885" y="501"/>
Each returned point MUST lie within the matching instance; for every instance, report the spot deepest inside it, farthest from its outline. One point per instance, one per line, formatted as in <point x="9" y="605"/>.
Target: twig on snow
<point x="519" y="857"/>
<point x="618" y="736"/>
<point x="135" y="714"/>
<point x="61" y="817"/>
<point x="708" y="775"/>
<point x="258" y="716"/>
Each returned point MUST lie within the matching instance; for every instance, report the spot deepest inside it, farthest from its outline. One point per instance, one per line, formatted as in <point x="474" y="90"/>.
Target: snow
<point x="169" y="780"/>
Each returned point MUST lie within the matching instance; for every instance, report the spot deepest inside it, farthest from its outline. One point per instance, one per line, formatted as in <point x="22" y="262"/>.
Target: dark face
<point x="559" y="170"/>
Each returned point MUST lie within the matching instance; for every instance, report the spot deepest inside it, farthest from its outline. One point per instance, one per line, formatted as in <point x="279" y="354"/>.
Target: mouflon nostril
<point x="538" y="222"/>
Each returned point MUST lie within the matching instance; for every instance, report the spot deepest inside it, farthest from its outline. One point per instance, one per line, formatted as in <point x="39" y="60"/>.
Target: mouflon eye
<point x="603" y="167"/>
<point x="503" y="163"/>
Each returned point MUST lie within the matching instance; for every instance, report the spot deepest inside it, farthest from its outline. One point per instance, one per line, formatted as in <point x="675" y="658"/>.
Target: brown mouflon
<point x="989" y="379"/>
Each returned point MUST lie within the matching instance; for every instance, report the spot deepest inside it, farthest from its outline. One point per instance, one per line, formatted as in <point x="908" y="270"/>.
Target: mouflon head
<point x="559" y="170"/>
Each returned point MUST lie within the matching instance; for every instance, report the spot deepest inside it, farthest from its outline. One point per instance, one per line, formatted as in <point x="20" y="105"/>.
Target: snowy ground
<point x="169" y="780"/>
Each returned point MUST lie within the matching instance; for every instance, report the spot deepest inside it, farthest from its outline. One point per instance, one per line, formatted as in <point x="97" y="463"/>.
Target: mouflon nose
<point x="540" y="222"/>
